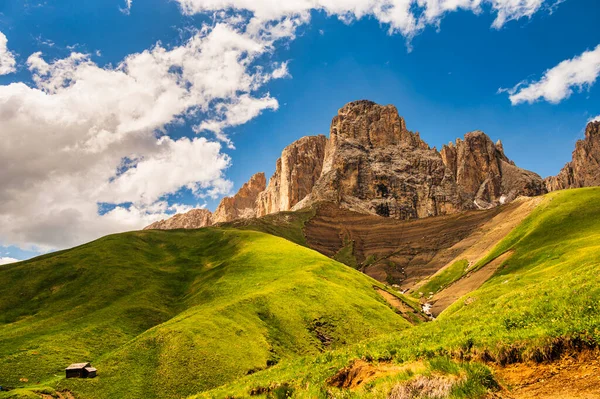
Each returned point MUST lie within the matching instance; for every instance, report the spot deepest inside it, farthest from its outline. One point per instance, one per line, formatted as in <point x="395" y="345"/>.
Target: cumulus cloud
<point x="595" y="119"/>
<point x="407" y="17"/>
<point x="84" y="152"/>
<point x="7" y="59"/>
<point x="559" y="82"/>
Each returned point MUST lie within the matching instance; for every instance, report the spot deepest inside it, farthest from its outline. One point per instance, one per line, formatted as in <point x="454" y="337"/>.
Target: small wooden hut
<point x="80" y="370"/>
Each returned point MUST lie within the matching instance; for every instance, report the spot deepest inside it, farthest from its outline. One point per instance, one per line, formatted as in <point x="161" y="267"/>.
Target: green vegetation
<point x="226" y="313"/>
<point x="542" y="302"/>
<point x="443" y="278"/>
<point x="346" y="255"/>
<point x="166" y="314"/>
<point x="288" y="225"/>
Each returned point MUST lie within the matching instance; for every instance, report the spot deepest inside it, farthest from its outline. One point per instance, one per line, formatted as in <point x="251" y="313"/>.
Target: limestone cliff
<point x="243" y="204"/>
<point x="295" y="175"/>
<point x="374" y="164"/>
<point x="483" y="173"/>
<point x="584" y="169"/>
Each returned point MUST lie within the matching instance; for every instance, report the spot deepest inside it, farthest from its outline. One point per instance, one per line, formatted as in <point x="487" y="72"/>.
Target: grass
<point x="542" y="302"/>
<point x="443" y="278"/>
<point x="346" y="255"/>
<point x="163" y="314"/>
<point x="224" y="313"/>
<point x="288" y="225"/>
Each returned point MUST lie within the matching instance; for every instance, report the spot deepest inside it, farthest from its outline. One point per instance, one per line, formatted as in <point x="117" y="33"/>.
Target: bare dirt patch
<point x="432" y="387"/>
<point x="361" y="372"/>
<point x="57" y="395"/>
<point x="572" y="377"/>
<point x="482" y="240"/>
<point x="390" y="250"/>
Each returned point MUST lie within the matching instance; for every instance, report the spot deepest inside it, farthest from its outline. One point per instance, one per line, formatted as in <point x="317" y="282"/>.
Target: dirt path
<point x="467" y="284"/>
<point x="572" y="377"/>
<point x="405" y="311"/>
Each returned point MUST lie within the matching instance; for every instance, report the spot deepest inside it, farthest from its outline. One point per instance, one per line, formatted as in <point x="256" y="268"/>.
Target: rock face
<point x="295" y="175"/>
<point x="483" y="173"/>
<point x="243" y="204"/>
<point x="584" y="169"/>
<point x="373" y="164"/>
<point x="194" y="219"/>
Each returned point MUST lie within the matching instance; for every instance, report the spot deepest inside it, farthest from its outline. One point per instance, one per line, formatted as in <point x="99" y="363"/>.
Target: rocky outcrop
<point x="584" y="169"/>
<point x="194" y="219"/>
<point x="295" y="175"/>
<point x="374" y="164"/>
<point x="243" y="204"/>
<point x="483" y="173"/>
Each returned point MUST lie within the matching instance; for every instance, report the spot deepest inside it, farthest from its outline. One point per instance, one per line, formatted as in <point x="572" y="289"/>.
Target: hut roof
<point x="78" y="366"/>
<point x="90" y="369"/>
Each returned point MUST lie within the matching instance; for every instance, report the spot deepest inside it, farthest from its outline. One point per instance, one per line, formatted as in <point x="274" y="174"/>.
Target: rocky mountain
<point x="243" y="204"/>
<point x="373" y="164"/>
<point x="584" y="169"/>
<point x="484" y="174"/>
<point x="193" y="219"/>
<point x="295" y="175"/>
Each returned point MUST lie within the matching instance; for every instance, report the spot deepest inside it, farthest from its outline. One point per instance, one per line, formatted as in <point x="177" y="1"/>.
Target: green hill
<point x="169" y="313"/>
<point x="224" y="312"/>
<point x="543" y="302"/>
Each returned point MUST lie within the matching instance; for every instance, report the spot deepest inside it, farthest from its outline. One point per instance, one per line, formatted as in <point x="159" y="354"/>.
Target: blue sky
<point x="443" y="76"/>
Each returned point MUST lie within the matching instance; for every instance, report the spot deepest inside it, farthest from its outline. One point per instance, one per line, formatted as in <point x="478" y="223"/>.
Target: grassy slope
<point x="549" y="288"/>
<point x="165" y="314"/>
<point x="442" y="279"/>
<point x="288" y="225"/>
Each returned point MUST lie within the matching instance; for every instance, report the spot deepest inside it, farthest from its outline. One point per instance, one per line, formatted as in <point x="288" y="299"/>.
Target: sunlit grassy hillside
<point x="166" y="314"/>
<point x="542" y="302"/>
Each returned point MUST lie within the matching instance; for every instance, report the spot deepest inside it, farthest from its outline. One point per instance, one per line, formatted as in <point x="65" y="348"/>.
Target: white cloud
<point x="88" y="135"/>
<point x="6" y="260"/>
<point x="595" y="119"/>
<point x="7" y="59"/>
<point x="559" y="82"/>
<point x="407" y="17"/>
<point x="127" y="9"/>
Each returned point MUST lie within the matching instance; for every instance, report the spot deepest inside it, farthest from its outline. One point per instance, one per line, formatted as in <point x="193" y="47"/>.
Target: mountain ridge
<point x="373" y="164"/>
